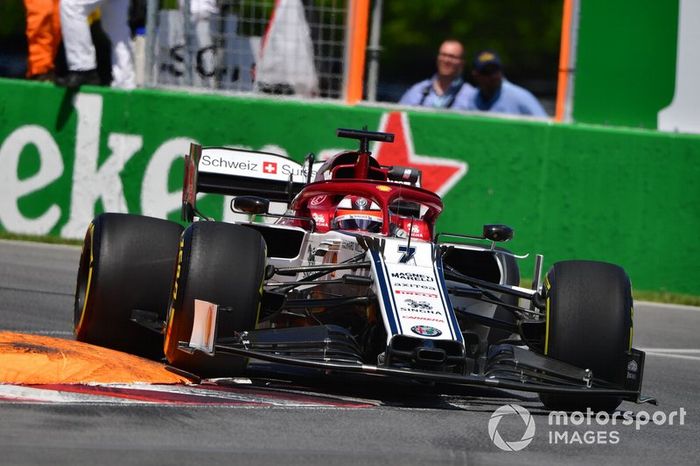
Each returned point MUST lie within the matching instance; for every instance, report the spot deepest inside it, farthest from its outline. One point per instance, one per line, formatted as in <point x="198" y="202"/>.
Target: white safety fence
<point x="258" y="46"/>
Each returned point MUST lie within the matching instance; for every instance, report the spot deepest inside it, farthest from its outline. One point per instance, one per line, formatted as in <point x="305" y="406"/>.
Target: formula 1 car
<point x="350" y="276"/>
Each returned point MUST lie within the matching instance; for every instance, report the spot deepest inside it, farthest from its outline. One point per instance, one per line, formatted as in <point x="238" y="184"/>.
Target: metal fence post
<point x="151" y="19"/>
<point x="186" y="15"/>
<point x="373" y="51"/>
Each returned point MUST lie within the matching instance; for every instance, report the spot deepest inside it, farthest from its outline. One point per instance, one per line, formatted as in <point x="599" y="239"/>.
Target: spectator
<point x="497" y="94"/>
<point x="43" y="38"/>
<point x="80" y="50"/>
<point x="446" y="89"/>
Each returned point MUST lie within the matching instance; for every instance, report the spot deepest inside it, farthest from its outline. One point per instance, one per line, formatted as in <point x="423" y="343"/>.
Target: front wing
<point x="508" y="367"/>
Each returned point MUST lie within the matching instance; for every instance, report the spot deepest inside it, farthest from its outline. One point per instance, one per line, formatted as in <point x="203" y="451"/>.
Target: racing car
<point x="337" y="266"/>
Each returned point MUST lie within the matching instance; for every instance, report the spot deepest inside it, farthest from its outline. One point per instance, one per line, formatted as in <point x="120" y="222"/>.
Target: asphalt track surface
<point x="385" y="424"/>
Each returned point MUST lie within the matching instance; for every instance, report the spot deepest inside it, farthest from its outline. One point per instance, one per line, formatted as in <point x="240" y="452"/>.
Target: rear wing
<point x="238" y="172"/>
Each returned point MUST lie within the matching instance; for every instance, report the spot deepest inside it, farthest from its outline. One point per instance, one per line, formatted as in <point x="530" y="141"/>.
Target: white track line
<point x="195" y="396"/>
<point x="675" y="356"/>
<point x="675" y="353"/>
<point x="20" y="393"/>
<point x="676" y="307"/>
<point x="670" y="350"/>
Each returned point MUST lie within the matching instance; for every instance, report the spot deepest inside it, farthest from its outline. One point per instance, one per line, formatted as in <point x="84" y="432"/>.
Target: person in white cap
<point x="80" y="50"/>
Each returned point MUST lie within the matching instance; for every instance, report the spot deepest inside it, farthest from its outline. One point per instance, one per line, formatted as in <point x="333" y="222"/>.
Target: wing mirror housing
<point x="404" y="174"/>
<point x="253" y="205"/>
<point x="498" y="233"/>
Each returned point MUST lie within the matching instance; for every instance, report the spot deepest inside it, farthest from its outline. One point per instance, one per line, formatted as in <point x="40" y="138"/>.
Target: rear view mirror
<point x="404" y="174"/>
<point x="498" y="233"/>
<point x="253" y="205"/>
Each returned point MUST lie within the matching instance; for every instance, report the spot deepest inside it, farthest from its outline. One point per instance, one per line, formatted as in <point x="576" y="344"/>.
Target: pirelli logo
<point x="417" y="293"/>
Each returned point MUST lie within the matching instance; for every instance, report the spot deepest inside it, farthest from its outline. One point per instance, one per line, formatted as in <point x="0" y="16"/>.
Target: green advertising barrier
<point x="625" y="61"/>
<point x="569" y="191"/>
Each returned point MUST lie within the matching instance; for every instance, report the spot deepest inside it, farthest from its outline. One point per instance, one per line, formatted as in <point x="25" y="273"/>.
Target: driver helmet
<point x="356" y="213"/>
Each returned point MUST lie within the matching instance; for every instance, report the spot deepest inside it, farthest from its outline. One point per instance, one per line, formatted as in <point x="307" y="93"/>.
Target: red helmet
<point x="357" y="213"/>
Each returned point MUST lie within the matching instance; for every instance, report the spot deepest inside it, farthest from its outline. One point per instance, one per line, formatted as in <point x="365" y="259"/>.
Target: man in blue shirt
<point x="495" y="93"/>
<point x="446" y="89"/>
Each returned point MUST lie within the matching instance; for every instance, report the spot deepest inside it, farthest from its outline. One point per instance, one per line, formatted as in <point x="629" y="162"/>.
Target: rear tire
<point x="127" y="263"/>
<point x="223" y="264"/>
<point x="589" y="322"/>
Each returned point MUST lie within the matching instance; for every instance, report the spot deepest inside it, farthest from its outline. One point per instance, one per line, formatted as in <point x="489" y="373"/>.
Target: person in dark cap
<point x="495" y="93"/>
<point x="446" y="89"/>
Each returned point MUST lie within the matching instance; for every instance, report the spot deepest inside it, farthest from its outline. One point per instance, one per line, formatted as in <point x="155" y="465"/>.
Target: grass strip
<point x="640" y="295"/>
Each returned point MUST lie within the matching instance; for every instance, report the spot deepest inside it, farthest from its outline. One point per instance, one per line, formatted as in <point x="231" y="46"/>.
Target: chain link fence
<point x="258" y="46"/>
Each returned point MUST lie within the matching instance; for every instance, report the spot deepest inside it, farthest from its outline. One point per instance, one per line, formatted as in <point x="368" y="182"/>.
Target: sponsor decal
<point x="320" y="219"/>
<point x="419" y="304"/>
<point x="222" y="162"/>
<point x="420" y="310"/>
<point x="424" y="318"/>
<point x="416" y="277"/>
<point x="415" y="286"/>
<point x="231" y="161"/>
<point x="270" y="167"/>
<point x="351" y="246"/>
<point x="426" y="331"/>
<point x="383" y="188"/>
<point x="416" y="293"/>
<point x="318" y="200"/>
<point x="297" y="172"/>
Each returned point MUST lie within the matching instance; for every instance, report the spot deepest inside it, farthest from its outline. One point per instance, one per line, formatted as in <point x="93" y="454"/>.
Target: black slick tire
<point x="589" y="325"/>
<point x="222" y="264"/>
<point x="127" y="263"/>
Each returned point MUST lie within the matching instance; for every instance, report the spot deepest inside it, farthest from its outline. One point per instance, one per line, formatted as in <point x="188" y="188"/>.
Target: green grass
<point x="640" y="295"/>
<point x="655" y="296"/>
<point x="40" y="239"/>
<point x="666" y="297"/>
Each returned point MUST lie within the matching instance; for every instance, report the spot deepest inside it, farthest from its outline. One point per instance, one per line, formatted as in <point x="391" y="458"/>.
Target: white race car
<point x="350" y="277"/>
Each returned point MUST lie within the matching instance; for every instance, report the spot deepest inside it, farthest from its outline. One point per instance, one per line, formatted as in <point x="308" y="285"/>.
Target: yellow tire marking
<point x="546" y="317"/>
<point x="91" y="229"/>
<point x="631" y="327"/>
<point x="171" y="311"/>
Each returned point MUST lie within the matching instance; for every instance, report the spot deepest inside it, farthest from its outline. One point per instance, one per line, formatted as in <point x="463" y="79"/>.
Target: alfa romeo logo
<point x="426" y="331"/>
<point x="512" y="410"/>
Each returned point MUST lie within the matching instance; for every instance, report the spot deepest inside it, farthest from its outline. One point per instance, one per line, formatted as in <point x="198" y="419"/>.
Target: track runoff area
<point x="41" y="364"/>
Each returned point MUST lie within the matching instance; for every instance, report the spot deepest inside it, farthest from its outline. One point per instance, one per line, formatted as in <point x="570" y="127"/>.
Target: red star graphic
<point x="439" y="175"/>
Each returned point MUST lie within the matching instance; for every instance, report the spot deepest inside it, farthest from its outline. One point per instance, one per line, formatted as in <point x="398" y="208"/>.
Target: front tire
<point x="589" y="325"/>
<point x="127" y="263"/>
<point x="223" y="264"/>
